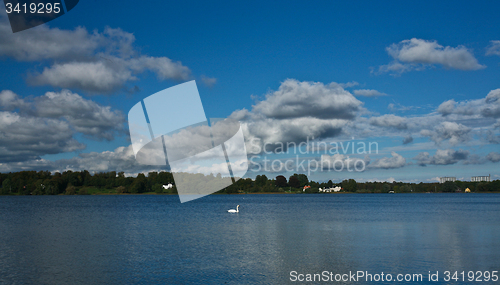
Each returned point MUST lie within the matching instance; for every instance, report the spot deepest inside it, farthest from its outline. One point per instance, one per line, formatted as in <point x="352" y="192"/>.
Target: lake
<point x="154" y="239"/>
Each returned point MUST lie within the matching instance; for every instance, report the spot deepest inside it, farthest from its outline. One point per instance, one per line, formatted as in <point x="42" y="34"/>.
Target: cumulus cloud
<point x="272" y="131"/>
<point x="85" y="116"/>
<point x="10" y="100"/>
<point x="397" y="68"/>
<point x="90" y="76"/>
<point x="492" y="101"/>
<point x="493" y="156"/>
<point x="389" y="121"/>
<point x="208" y="81"/>
<point x="121" y="159"/>
<point x="299" y="110"/>
<point x="447" y="107"/>
<point x="408" y="139"/>
<point x="454" y="132"/>
<point x="493" y="48"/>
<point x="43" y="43"/>
<point x="486" y="107"/>
<point x="349" y="84"/>
<point x="395" y="161"/>
<point x="491" y="137"/>
<point x="453" y="122"/>
<point x="442" y="157"/>
<point x="33" y="127"/>
<point x="164" y="67"/>
<point x="25" y="137"/>
<point x="296" y="99"/>
<point x="418" y="54"/>
<point x="368" y="93"/>
<point x="94" y="62"/>
<point x="398" y="107"/>
<point x="474" y="159"/>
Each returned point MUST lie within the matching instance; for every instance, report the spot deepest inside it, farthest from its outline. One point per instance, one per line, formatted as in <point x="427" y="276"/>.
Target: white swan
<point x="233" y="210"/>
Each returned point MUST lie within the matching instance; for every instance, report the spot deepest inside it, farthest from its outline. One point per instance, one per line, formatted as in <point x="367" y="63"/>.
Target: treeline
<point x="83" y="182"/>
<point x="296" y="183"/>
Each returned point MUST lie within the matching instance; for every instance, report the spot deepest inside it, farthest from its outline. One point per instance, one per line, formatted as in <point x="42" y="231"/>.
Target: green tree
<point x="139" y="184"/>
<point x="260" y="180"/>
<point x="386" y="187"/>
<point x="83" y="191"/>
<point x="70" y="190"/>
<point x="303" y="180"/>
<point x="281" y="181"/>
<point x="158" y="188"/>
<point x="121" y="190"/>
<point x="329" y="184"/>
<point x="350" y="185"/>
<point x="448" y="186"/>
<point x="484" y="187"/>
<point x="294" y="182"/>
<point x="6" y="187"/>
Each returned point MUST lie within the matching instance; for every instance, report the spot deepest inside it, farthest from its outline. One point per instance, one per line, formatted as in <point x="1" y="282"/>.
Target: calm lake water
<point x="153" y="239"/>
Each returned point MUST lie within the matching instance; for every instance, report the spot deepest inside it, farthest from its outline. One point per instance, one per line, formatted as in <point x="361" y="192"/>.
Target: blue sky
<point x="411" y="57"/>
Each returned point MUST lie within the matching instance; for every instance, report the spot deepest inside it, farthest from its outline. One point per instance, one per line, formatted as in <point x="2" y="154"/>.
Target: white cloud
<point x="390" y="179"/>
<point x="486" y="107"/>
<point x="493" y="48"/>
<point x="296" y="99"/>
<point x="121" y="159"/>
<point x="397" y="68"/>
<point x="299" y="110"/>
<point x="395" y="161"/>
<point x="456" y="133"/>
<point x="389" y="121"/>
<point x="368" y="93"/>
<point x="85" y="116"/>
<point x="492" y="101"/>
<point x="42" y="43"/>
<point x="474" y="159"/>
<point x="493" y="156"/>
<point x="94" y="62"/>
<point x="442" y="157"/>
<point x="398" y="107"/>
<point x="46" y="124"/>
<point x="89" y="76"/>
<point x="417" y="54"/>
<point x="349" y="84"/>
<point x="164" y="67"/>
<point x="10" y="100"/>
<point x="208" y="81"/>
<point x="447" y="107"/>
<point x="26" y="137"/>
<point x="272" y="131"/>
<point x="407" y="139"/>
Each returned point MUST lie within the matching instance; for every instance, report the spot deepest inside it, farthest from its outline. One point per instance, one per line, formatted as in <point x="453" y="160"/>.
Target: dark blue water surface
<point x="153" y="239"/>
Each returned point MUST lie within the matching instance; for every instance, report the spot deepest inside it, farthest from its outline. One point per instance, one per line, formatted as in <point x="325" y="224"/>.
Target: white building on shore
<point x="329" y="190"/>
<point x="481" y="178"/>
<point x="446" y="179"/>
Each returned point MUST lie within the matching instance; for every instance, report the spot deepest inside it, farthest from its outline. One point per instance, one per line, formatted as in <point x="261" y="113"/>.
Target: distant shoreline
<point x="256" y="193"/>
